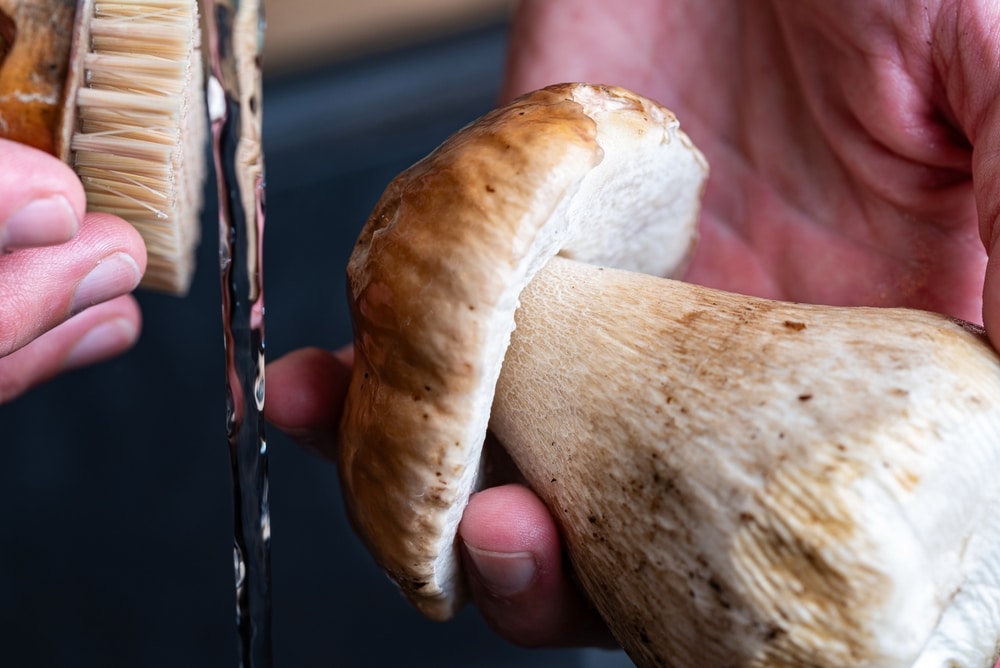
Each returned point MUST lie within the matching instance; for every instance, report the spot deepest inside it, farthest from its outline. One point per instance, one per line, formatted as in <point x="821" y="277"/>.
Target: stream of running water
<point x="235" y="36"/>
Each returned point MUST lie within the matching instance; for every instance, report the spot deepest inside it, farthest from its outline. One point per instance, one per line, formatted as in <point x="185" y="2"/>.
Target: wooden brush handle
<point x="36" y="38"/>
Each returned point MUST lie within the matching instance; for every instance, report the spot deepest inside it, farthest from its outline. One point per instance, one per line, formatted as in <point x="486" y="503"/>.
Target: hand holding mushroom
<point x="787" y="195"/>
<point x="739" y="481"/>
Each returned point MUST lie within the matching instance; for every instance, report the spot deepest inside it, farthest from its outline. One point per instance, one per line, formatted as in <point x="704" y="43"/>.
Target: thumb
<point x="41" y="199"/>
<point x="513" y="556"/>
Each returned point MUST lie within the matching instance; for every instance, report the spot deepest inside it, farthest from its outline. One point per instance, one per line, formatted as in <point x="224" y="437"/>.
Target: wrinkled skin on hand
<point x="855" y="155"/>
<point x="839" y="135"/>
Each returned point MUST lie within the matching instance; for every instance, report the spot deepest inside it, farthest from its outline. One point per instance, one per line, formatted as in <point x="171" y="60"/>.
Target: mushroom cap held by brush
<point x="595" y="173"/>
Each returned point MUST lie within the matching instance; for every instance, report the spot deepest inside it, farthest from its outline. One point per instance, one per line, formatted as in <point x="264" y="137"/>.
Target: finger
<point x="305" y="392"/>
<point x="971" y="86"/>
<point x="41" y="199"/>
<point x="42" y="287"/>
<point x="513" y="555"/>
<point x="988" y="202"/>
<point x="94" y="335"/>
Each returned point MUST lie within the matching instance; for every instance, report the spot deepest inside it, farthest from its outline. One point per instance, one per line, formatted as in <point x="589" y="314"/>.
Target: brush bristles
<point x="141" y="128"/>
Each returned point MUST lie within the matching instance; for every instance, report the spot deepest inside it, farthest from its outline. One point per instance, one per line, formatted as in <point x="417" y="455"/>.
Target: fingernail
<point x="101" y="342"/>
<point x="504" y="573"/>
<point x="43" y="222"/>
<point x="113" y="276"/>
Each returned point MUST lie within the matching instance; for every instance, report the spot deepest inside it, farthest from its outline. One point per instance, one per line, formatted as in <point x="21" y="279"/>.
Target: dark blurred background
<point x="115" y="492"/>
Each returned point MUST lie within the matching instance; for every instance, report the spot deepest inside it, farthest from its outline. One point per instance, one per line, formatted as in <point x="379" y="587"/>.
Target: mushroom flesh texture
<point x="740" y="482"/>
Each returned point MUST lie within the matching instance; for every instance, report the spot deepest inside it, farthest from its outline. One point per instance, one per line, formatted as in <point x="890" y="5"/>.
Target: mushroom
<point x="739" y="482"/>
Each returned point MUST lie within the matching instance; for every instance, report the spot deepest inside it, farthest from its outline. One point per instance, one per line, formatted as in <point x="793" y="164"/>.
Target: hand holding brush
<point x="115" y="90"/>
<point x="99" y="108"/>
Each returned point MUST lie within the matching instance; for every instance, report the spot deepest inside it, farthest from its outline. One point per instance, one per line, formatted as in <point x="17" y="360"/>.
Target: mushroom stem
<point x="744" y="482"/>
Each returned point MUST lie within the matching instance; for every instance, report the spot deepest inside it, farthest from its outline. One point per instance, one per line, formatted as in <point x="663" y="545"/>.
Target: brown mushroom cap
<point x="595" y="173"/>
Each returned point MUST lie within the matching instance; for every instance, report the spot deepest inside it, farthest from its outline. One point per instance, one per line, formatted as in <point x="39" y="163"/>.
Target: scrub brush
<point x="115" y="89"/>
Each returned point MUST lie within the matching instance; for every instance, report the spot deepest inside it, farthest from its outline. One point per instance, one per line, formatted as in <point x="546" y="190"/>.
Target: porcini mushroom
<point x="740" y="482"/>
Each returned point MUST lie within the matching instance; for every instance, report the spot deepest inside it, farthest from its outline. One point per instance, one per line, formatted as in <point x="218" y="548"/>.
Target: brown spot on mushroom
<point x="907" y="479"/>
<point x="794" y="325"/>
<point x="690" y="317"/>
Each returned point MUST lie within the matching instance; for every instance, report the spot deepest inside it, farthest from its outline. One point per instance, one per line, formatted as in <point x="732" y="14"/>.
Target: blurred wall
<point x="306" y="33"/>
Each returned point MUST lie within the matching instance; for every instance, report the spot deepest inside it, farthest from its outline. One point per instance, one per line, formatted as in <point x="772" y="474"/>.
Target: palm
<point x="837" y="174"/>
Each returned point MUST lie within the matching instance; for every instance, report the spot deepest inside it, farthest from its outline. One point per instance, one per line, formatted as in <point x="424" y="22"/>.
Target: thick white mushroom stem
<point x="743" y="482"/>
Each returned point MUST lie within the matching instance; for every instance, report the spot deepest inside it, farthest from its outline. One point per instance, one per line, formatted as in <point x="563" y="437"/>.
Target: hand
<point x="63" y="273"/>
<point x="840" y="137"/>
